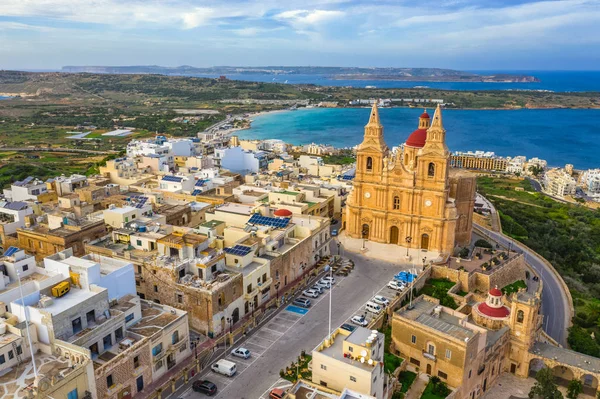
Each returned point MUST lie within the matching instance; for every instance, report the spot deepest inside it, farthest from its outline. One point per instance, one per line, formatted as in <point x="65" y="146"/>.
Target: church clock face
<point x="428" y="203"/>
<point x="367" y="195"/>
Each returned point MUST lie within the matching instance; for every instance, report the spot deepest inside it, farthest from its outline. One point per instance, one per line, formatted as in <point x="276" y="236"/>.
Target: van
<point x="374" y="308"/>
<point x="61" y="289"/>
<point x="224" y="367"/>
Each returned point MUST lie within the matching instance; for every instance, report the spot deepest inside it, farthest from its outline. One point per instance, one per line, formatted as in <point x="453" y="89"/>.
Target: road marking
<point x="296" y="309"/>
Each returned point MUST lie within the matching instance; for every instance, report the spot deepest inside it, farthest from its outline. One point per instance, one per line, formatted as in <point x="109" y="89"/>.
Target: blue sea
<point x="4" y="98"/>
<point x="559" y="81"/>
<point x="558" y="136"/>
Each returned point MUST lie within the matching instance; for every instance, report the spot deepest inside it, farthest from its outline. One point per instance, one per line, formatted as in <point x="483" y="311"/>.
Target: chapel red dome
<point x="282" y="213"/>
<point x="417" y="138"/>
<point x="489" y="311"/>
<point x="495" y="292"/>
<point x="424" y="115"/>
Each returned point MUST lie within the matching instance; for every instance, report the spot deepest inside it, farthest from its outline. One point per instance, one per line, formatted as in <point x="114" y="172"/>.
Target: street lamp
<point x="364" y="237"/>
<point x="408" y="240"/>
<point x="252" y="309"/>
<point x="277" y="289"/>
<point x="339" y="248"/>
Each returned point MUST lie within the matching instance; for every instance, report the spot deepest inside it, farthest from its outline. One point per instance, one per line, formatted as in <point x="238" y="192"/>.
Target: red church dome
<point x="424" y="115"/>
<point x="489" y="311"/>
<point x="417" y="138"/>
<point x="282" y="213"/>
<point x="495" y="292"/>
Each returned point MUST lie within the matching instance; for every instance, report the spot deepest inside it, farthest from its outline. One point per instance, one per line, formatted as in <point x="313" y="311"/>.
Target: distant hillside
<point x="411" y="74"/>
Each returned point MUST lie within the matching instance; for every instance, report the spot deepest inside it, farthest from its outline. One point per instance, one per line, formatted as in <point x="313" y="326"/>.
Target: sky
<point x="459" y="34"/>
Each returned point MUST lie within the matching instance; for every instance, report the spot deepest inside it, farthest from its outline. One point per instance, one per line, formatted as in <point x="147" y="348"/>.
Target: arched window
<point x="431" y="169"/>
<point x="396" y="202"/>
<point x="369" y="163"/>
<point x="520" y="316"/>
<point x="175" y="337"/>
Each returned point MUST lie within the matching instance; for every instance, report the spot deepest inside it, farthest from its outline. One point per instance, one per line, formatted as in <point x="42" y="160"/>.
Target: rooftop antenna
<point x="26" y="310"/>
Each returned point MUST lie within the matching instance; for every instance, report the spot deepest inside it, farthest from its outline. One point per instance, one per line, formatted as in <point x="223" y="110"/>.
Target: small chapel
<point x="411" y="197"/>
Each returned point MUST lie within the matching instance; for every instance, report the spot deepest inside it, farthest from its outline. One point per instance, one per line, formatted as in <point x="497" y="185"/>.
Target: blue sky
<point x="462" y="34"/>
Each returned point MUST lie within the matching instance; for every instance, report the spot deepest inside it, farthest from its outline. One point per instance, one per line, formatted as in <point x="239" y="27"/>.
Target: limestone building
<point x="407" y="198"/>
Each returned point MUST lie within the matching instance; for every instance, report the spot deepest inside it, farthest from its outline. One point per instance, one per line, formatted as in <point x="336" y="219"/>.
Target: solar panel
<point x="196" y="192"/>
<point x="200" y="183"/>
<point x="269" y="221"/>
<point x="11" y="251"/>
<point x="238" y="250"/>
<point x="172" y="178"/>
<point x="28" y="179"/>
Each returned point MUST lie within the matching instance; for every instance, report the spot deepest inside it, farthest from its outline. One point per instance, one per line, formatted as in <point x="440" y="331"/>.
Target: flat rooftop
<point x="422" y="313"/>
<point x="35" y="276"/>
<point x="336" y="350"/>
<point x="303" y="390"/>
<point x="155" y="317"/>
<point x="567" y="356"/>
<point x="232" y="207"/>
<point x="67" y="301"/>
<point x="211" y="223"/>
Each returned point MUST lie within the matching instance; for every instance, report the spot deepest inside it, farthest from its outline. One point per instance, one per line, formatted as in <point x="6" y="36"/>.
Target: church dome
<point x="417" y="138"/>
<point x="424" y="115"/>
<point x="493" y="307"/>
<point x="282" y="213"/>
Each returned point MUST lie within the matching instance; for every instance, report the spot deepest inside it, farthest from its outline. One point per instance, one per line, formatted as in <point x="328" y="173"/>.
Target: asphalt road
<point x="281" y="340"/>
<point x="555" y="303"/>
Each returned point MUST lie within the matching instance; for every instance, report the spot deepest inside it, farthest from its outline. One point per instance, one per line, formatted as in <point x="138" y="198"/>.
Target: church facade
<point x="411" y="198"/>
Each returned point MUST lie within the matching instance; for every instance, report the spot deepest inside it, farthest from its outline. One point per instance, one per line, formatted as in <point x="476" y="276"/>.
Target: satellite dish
<point x="370" y="362"/>
<point x="363" y="353"/>
<point x="362" y="359"/>
<point x="374" y="332"/>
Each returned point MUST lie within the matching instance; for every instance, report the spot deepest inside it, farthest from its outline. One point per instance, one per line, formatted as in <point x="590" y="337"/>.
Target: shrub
<point x="483" y="243"/>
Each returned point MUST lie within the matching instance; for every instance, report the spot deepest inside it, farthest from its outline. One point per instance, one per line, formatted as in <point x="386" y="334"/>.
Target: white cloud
<point x="306" y="18"/>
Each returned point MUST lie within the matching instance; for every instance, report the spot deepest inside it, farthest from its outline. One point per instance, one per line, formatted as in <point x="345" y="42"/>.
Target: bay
<point x="558" y="81"/>
<point x="559" y="136"/>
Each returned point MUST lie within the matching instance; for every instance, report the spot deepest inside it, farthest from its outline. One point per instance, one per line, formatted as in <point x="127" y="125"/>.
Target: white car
<point x="359" y="320"/>
<point x="317" y="288"/>
<point x="310" y="293"/>
<point x="395" y="285"/>
<point x="241" y="352"/>
<point x="323" y="284"/>
<point x="381" y="300"/>
<point x="328" y="279"/>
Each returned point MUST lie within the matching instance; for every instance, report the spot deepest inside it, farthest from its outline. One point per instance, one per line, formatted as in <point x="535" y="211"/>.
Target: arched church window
<point x="520" y="316"/>
<point x="431" y="169"/>
<point x="369" y="163"/>
<point x="396" y="202"/>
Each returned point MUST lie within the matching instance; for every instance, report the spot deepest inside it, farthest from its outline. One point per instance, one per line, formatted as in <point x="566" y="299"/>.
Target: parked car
<point x="302" y="302"/>
<point x="381" y="300"/>
<point x="328" y="279"/>
<point x="373" y="307"/>
<point x="334" y="232"/>
<point x="348" y="327"/>
<point x="224" y="367"/>
<point x="276" y="393"/>
<point x="359" y="320"/>
<point x="241" y="352"/>
<point x="395" y="285"/>
<point x="310" y="293"/>
<point x="204" y="386"/>
<point x="323" y="284"/>
<point x="317" y="288"/>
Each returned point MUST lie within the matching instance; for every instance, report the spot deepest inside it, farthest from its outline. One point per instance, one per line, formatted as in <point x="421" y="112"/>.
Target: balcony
<point x="249" y="295"/>
<point x="266" y="284"/>
<point x="429" y="356"/>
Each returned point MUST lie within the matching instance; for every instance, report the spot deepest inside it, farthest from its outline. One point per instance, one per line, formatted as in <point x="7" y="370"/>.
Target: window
<point x="11" y="355"/>
<point x="249" y="288"/>
<point x="183" y="348"/>
<point x="520" y="316"/>
<point x="353" y="379"/>
<point x="351" y="349"/>
<point x="128" y="318"/>
<point x="323" y="367"/>
<point x="19" y="350"/>
<point x="155" y="288"/>
<point x="448" y="354"/>
<point x="264" y="278"/>
<point x="175" y="337"/>
<point x="139" y="243"/>
<point x="396" y="202"/>
<point x="443" y="375"/>
<point x="76" y="325"/>
<point x="2" y="359"/>
<point x="277" y="274"/>
<point x="431" y="349"/>
<point x="213" y="268"/>
<point x="431" y="169"/>
<point x="90" y="317"/>
<point x="157" y="349"/>
<point x="109" y="381"/>
<point x="107" y="341"/>
<point x="158" y="365"/>
<point x="369" y="163"/>
<point x="470" y="373"/>
<point x="72" y="394"/>
<point x="40" y="244"/>
<point x="200" y="274"/>
<point x="137" y="282"/>
<point x="26" y="267"/>
<point x="139" y="269"/>
<point x="136" y="362"/>
<point x="179" y="298"/>
<point x="413" y="339"/>
<point x="119" y="333"/>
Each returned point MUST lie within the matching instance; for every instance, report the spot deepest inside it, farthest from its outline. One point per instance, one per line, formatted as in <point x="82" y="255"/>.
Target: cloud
<point x="9" y="25"/>
<point x="306" y="18"/>
<point x="199" y="16"/>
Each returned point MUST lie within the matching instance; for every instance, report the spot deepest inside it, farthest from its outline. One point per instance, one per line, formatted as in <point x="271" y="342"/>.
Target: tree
<point x="545" y="387"/>
<point x="536" y="170"/>
<point x="574" y="388"/>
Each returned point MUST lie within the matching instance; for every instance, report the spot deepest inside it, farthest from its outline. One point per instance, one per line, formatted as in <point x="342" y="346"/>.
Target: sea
<point x="557" y="81"/>
<point x="559" y="136"/>
<point x="4" y="98"/>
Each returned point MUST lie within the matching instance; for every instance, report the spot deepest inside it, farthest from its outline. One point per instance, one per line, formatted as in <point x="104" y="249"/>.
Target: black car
<point x="204" y="386"/>
<point x="348" y="327"/>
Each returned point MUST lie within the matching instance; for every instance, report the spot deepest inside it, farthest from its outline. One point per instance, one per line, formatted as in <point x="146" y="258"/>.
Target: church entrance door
<point x="365" y="231"/>
<point x="425" y="241"/>
<point x="429" y="369"/>
<point x="394" y="234"/>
